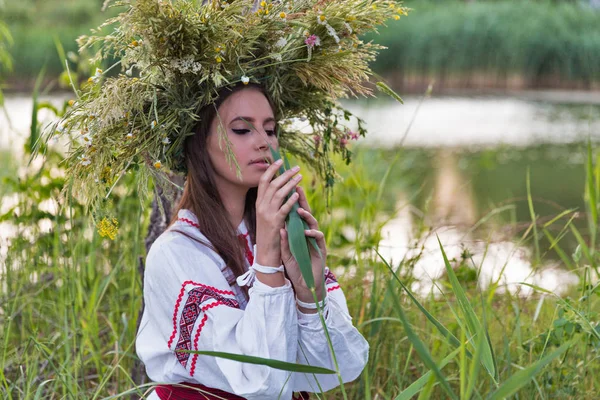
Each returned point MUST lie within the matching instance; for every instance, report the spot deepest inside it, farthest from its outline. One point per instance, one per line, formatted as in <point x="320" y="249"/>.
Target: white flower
<point x="129" y="72"/>
<point x="166" y="140"/>
<point x="321" y="19"/>
<point x="153" y="125"/>
<point x="129" y="136"/>
<point x="185" y="65"/>
<point x="86" y="139"/>
<point x="277" y="56"/>
<point x="245" y="80"/>
<point x="85" y="160"/>
<point x="61" y="127"/>
<point x="332" y="32"/>
<point x="281" y="42"/>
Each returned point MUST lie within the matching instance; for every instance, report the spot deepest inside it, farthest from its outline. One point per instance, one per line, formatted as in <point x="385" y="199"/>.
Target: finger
<point x="303" y="201"/>
<point x="286" y="253"/>
<point x="279" y="182"/>
<point x="285" y="190"/>
<point x="320" y="238"/>
<point x="308" y="217"/>
<point x="267" y="177"/>
<point x="287" y="206"/>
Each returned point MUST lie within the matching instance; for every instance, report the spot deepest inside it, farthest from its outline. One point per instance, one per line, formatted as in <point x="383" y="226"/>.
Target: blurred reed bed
<point x="482" y="43"/>
<point x="511" y="44"/>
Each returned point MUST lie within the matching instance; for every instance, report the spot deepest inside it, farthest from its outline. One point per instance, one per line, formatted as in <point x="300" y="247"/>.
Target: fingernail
<point x="298" y="177"/>
<point x="279" y="162"/>
<point x="296" y="168"/>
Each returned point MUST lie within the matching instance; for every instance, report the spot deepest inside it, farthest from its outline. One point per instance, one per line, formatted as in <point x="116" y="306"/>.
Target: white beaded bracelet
<point x="250" y="275"/>
<point x="312" y="306"/>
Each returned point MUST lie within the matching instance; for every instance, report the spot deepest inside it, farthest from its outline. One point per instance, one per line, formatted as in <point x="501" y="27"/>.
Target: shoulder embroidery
<point x="198" y="302"/>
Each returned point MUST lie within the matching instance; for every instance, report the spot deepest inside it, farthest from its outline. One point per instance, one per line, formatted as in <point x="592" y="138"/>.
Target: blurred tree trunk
<point x="158" y="224"/>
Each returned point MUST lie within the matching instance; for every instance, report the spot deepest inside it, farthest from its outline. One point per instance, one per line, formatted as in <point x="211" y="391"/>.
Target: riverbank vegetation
<point x="69" y="299"/>
<point x="481" y="44"/>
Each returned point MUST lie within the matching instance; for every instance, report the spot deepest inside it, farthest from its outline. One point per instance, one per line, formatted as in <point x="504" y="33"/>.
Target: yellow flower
<point x="282" y="15"/>
<point x="135" y="43"/>
<point x="374" y="6"/>
<point x="90" y="80"/>
<point x="263" y="4"/>
<point x="396" y="17"/>
<point x="218" y="49"/>
<point x="218" y="59"/>
<point x="266" y="12"/>
<point x="108" y="228"/>
<point x="322" y="18"/>
<point x="157" y="164"/>
<point x="71" y="102"/>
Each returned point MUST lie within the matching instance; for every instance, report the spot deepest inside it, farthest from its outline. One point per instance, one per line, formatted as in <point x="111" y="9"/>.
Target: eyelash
<point x="244" y="131"/>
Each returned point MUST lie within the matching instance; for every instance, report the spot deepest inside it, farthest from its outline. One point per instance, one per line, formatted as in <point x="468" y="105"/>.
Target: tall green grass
<point x="69" y="301"/>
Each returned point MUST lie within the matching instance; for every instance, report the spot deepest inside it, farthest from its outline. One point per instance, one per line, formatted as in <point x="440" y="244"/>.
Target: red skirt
<point x="194" y="391"/>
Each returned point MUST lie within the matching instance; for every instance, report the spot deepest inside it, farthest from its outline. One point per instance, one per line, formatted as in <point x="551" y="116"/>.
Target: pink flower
<point x="317" y="140"/>
<point x="343" y="142"/>
<point x="352" y="135"/>
<point x="312" y="41"/>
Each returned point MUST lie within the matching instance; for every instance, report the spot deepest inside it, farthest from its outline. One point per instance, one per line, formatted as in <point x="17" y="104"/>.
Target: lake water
<point x="461" y="136"/>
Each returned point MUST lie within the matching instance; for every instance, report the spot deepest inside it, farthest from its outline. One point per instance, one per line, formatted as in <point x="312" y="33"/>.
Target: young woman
<point x="222" y="278"/>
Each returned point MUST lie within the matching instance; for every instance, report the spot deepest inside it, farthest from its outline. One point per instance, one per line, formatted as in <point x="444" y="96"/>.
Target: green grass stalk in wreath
<point x="174" y="56"/>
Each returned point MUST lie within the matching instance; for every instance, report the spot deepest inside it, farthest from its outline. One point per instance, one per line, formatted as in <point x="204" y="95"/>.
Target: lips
<point x="261" y="161"/>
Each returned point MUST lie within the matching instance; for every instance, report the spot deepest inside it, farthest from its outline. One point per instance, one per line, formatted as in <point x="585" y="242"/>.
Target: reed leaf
<point x="282" y="365"/>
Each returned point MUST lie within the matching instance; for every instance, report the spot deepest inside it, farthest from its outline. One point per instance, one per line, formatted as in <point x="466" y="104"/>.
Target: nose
<point x="261" y="140"/>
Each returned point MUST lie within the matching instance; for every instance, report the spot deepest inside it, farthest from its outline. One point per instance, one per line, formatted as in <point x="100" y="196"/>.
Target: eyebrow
<point x="250" y="119"/>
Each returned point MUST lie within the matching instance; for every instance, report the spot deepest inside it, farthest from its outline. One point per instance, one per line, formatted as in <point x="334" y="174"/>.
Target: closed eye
<point x="244" y="131"/>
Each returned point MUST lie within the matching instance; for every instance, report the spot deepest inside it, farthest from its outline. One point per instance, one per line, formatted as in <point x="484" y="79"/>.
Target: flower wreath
<point x="175" y="55"/>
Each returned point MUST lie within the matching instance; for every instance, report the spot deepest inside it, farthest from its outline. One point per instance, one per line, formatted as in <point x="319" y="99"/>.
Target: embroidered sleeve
<point x="190" y="306"/>
<point x="351" y="349"/>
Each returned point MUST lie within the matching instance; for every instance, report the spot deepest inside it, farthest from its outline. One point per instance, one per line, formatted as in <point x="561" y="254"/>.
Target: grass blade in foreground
<point x="487" y="357"/>
<point x="282" y="365"/>
<point x="421" y="349"/>
<point x="522" y="377"/>
<point x="417" y="385"/>
<point x="441" y="328"/>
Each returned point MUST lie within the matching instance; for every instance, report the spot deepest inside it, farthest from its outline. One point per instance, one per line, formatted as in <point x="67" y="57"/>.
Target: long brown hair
<point x="200" y="193"/>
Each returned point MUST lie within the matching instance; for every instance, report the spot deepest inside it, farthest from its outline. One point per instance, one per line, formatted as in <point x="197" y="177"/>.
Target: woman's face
<point x="247" y="119"/>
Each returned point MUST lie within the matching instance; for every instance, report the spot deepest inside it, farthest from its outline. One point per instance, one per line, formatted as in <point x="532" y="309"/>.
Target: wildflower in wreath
<point x="245" y="80"/>
<point x="312" y="41"/>
<point x="85" y="160"/>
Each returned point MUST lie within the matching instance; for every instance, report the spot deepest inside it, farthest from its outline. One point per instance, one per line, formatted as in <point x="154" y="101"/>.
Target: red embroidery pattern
<point x="189" y="316"/>
<point x="206" y="307"/>
<point x="330" y="279"/>
<point x="192" y="223"/>
<point x="181" y="292"/>
<point x="249" y="256"/>
<point x="196" y="343"/>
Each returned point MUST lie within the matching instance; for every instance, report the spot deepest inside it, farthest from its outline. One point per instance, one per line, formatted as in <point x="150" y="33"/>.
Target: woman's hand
<point x="271" y="211"/>
<point x="318" y="263"/>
